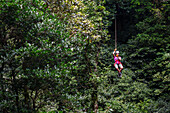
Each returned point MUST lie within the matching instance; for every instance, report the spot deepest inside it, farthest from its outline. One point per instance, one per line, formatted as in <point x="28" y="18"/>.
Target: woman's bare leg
<point x="116" y="66"/>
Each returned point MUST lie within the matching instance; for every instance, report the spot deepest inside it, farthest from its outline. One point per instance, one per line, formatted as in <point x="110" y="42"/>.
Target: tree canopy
<point x="56" y="56"/>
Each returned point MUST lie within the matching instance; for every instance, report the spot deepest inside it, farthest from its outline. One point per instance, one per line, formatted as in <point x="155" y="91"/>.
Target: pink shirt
<point x="117" y="61"/>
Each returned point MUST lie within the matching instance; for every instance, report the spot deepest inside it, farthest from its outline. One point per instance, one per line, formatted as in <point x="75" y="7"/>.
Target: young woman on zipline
<point x="117" y="63"/>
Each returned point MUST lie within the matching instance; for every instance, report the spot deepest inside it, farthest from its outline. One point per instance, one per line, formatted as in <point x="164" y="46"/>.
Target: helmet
<point x="117" y="52"/>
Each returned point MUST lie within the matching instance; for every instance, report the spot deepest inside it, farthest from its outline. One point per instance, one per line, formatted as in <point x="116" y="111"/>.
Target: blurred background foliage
<point x="56" y="56"/>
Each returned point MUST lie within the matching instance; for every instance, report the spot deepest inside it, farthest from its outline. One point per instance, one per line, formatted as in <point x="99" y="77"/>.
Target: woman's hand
<point x="115" y="49"/>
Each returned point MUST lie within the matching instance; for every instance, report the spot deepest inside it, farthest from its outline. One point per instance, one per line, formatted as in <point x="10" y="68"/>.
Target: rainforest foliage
<point x="56" y="56"/>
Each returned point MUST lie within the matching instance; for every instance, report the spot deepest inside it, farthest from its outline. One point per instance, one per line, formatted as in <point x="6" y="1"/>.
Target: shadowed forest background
<point x="56" y="56"/>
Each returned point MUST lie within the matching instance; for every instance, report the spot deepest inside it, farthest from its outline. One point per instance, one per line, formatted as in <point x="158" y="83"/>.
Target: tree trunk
<point x="95" y="86"/>
<point x="26" y="97"/>
<point x="16" y="90"/>
<point x="95" y="99"/>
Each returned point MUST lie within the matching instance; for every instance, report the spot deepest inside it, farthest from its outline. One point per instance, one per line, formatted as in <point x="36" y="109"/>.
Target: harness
<point x="117" y="60"/>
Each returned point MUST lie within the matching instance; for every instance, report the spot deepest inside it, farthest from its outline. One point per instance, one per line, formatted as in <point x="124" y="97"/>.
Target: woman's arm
<point x="114" y="52"/>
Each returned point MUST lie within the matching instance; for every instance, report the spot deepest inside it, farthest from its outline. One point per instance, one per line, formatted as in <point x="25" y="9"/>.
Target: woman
<point x="117" y="63"/>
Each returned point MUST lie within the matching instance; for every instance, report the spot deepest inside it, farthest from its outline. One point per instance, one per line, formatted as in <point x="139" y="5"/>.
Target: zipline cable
<point x="115" y="33"/>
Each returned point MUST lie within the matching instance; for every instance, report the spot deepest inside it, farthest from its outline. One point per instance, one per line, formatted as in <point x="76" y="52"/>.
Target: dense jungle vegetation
<point x="56" y="56"/>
